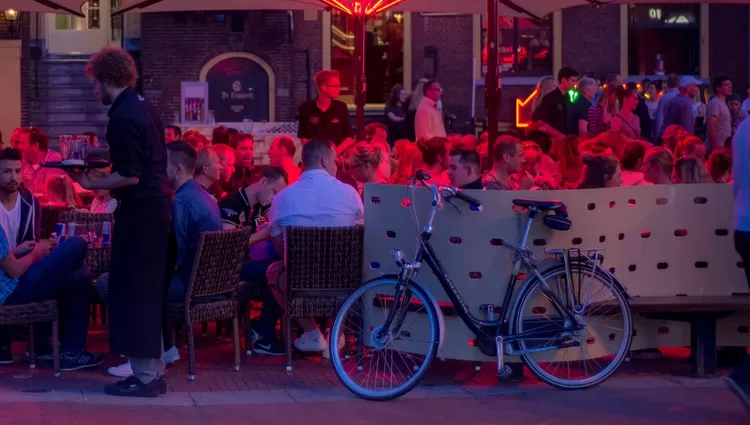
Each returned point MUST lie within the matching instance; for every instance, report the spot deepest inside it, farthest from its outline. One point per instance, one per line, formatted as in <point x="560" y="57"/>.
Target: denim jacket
<point x="194" y="210"/>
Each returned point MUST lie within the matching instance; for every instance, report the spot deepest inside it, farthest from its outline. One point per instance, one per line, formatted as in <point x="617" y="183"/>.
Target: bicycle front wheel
<point x="377" y="363"/>
<point x="581" y="358"/>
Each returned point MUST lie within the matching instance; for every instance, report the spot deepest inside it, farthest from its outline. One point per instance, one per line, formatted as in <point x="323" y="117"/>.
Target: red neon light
<point x="520" y="105"/>
<point x="362" y="8"/>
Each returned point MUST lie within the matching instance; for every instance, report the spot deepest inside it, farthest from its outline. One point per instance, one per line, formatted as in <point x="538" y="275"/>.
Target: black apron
<point x="137" y="276"/>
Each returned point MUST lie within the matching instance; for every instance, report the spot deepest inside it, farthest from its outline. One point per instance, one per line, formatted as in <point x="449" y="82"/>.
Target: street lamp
<point x="11" y="17"/>
<point x="360" y="11"/>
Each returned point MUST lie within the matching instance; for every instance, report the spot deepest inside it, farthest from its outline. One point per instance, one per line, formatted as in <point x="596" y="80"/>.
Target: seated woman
<point x="410" y="160"/>
<point x="103" y="202"/>
<point x="657" y="166"/>
<point x="719" y="165"/>
<point x="364" y="165"/>
<point x="690" y="146"/>
<point x="690" y="170"/>
<point x="34" y="273"/>
<point x="60" y="191"/>
<point x="600" y="171"/>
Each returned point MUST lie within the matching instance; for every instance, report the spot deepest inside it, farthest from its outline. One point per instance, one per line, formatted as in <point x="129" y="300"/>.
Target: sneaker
<point x="268" y="346"/>
<point x="171" y="355"/>
<point x="340" y="345"/>
<point x="741" y="389"/>
<point x="254" y="336"/>
<point x="82" y="360"/>
<point x="122" y="371"/>
<point x="6" y="357"/>
<point x="133" y="387"/>
<point x="312" y="341"/>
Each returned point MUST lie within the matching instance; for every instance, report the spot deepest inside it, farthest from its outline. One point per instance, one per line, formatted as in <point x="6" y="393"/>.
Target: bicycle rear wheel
<point x="586" y="357"/>
<point x="382" y="364"/>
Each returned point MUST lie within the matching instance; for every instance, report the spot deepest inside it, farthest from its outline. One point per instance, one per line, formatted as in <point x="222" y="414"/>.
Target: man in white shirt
<point x="318" y="199"/>
<point x="20" y="214"/>
<point x="719" y="118"/>
<point x="428" y="122"/>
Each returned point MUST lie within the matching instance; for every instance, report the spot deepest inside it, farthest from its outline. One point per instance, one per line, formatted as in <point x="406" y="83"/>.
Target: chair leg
<point x="191" y="351"/>
<point x="56" y="348"/>
<point x="32" y="354"/>
<point x="236" y="331"/>
<point x="248" y="331"/>
<point x="288" y="337"/>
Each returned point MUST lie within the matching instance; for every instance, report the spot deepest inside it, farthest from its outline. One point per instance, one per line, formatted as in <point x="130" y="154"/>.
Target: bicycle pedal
<point x="505" y="373"/>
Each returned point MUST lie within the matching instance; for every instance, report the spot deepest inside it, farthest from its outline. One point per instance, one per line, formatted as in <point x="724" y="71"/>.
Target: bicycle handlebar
<point x="449" y="192"/>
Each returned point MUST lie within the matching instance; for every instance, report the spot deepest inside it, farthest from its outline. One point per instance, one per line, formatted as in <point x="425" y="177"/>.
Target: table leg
<point x="703" y="345"/>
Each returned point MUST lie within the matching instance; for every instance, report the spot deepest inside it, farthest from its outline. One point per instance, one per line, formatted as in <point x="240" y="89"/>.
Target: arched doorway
<point x="241" y="86"/>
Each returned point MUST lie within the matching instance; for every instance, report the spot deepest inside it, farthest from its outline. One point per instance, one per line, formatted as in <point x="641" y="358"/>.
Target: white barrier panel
<point x="659" y="241"/>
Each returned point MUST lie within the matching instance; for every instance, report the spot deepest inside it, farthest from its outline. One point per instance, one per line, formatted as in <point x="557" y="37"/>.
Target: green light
<point x="573" y="95"/>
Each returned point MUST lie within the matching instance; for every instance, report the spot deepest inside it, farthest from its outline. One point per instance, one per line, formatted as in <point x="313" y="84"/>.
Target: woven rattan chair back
<point x="85" y="221"/>
<point x="324" y="258"/>
<point x="218" y="262"/>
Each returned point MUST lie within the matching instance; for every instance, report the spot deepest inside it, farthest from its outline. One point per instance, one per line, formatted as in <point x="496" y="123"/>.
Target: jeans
<point x="254" y="275"/>
<point x="61" y="276"/>
<point x="742" y="246"/>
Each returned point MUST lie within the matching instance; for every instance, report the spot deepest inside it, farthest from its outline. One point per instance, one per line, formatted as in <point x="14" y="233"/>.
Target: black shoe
<point x="82" y="360"/>
<point x="269" y="347"/>
<point x="6" y="357"/>
<point x="133" y="387"/>
<point x="741" y="388"/>
<point x="162" y="381"/>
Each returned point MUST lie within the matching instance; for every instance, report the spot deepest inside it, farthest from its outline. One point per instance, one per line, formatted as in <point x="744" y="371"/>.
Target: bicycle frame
<point x="426" y="254"/>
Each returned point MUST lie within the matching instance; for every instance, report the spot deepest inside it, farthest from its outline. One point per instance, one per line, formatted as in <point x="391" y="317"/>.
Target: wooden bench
<point x="701" y="313"/>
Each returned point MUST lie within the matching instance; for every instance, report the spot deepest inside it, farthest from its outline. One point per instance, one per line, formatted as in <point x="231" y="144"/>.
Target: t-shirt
<point x="578" y="111"/>
<point x="10" y="221"/>
<point x="719" y="109"/>
<point x="741" y="174"/>
<point x="333" y="124"/>
<point x="7" y="283"/>
<point x="680" y="111"/>
<point x="553" y="110"/>
<point x="236" y="210"/>
<point x="394" y="127"/>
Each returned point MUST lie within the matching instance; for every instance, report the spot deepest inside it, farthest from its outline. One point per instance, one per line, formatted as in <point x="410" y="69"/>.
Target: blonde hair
<point x="687" y="146"/>
<point x="690" y="170"/>
<point x="60" y="190"/>
<point x="660" y="157"/>
<point x="545" y="85"/>
<point x="366" y="154"/>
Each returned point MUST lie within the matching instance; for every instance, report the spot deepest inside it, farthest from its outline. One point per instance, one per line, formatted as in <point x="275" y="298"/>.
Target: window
<point x="524" y="46"/>
<point x="663" y="38"/>
<point x="384" y="54"/>
<point x="91" y="9"/>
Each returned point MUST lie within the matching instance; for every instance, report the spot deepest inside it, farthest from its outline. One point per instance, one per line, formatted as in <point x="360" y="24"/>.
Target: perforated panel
<point x="659" y="241"/>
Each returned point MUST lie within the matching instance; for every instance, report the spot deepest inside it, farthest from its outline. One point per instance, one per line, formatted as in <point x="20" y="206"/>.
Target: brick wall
<point x="452" y="36"/>
<point x="728" y="43"/>
<point x="21" y="31"/>
<point x="176" y="46"/>
<point x="591" y="39"/>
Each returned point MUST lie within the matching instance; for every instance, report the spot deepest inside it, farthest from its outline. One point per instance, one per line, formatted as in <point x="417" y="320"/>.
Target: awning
<point x="47" y="6"/>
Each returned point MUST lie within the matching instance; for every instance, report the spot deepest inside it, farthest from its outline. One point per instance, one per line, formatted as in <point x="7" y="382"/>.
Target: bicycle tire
<point x="338" y="367"/>
<point x="627" y="333"/>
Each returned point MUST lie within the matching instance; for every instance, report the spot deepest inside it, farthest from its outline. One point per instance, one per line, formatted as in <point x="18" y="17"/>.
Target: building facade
<point x="259" y="64"/>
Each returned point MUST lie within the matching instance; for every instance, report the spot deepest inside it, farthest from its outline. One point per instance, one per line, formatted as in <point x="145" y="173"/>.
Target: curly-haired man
<point x="140" y="237"/>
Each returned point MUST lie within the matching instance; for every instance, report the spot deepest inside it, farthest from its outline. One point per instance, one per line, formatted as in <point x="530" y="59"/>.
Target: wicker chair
<point x="50" y="218"/>
<point x="86" y="221"/>
<point x="323" y="267"/>
<point x="211" y="292"/>
<point x="30" y="314"/>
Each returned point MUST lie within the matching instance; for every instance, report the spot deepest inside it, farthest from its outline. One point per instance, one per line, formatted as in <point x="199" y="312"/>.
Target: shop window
<point x="92" y="11"/>
<point x="524" y="46"/>
<point x="663" y="39"/>
<point x="384" y="54"/>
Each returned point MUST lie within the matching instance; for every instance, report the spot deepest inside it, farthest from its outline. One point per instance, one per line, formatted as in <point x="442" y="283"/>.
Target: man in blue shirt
<point x="194" y="211"/>
<point x="679" y="110"/>
<point x="669" y="93"/>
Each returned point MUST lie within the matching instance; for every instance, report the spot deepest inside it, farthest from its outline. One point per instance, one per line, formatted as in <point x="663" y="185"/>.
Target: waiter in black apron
<point x="140" y="237"/>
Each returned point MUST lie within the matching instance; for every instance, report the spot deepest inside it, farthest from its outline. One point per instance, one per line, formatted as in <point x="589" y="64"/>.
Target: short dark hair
<point x="504" y="145"/>
<point x="611" y="79"/>
<point x="565" y="73"/>
<point x="433" y="149"/>
<point x="427" y="85"/>
<point x="673" y="80"/>
<point x="719" y="80"/>
<point x="287" y="143"/>
<point x="273" y="173"/>
<point x="237" y="138"/>
<point x="467" y="157"/>
<point x="177" y="130"/>
<point x="220" y="135"/>
<point x="182" y="153"/>
<point x="314" y="150"/>
<point x="37" y="137"/>
<point x="11" y="154"/>
<point x="633" y="152"/>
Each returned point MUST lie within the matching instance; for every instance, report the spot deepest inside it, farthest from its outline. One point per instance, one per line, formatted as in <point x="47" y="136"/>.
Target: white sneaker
<point x="125" y="370"/>
<point x="171" y="355"/>
<point x="340" y="345"/>
<point x="311" y="341"/>
<point x="122" y="371"/>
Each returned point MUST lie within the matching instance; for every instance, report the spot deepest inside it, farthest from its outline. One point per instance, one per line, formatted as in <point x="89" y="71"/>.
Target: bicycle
<point x="559" y="314"/>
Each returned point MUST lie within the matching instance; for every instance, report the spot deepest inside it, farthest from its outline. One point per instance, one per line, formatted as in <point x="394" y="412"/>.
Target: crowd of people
<point x="204" y="184"/>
